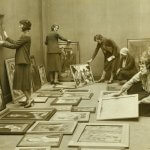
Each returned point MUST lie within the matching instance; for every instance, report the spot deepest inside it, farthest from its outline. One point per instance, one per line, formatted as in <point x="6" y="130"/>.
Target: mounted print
<point x="42" y="73"/>
<point x="137" y="47"/>
<point x="66" y="101"/>
<point x="33" y="148"/>
<point x="83" y="109"/>
<point x="72" y="116"/>
<point x="122" y="107"/>
<point x="65" y="127"/>
<point x="70" y="55"/>
<point x="14" y="127"/>
<point x="40" y="140"/>
<point x="10" y="67"/>
<point x="101" y="135"/>
<point x="62" y="107"/>
<point x="28" y="114"/>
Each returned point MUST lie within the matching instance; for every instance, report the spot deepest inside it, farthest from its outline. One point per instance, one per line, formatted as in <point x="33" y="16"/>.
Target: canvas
<point x="10" y="67"/>
<point x="65" y="127"/>
<point x="100" y="135"/>
<point x="62" y="107"/>
<point x="137" y="47"/>
<point x="83" y="109"/>
<point x="116" y="107"/>
<point x="28" y="114"/>
<point x="33" y="148"/>
<point x="40" y="140"/>
<point x="14" y="127"/>
<point x="82" y="74"/>
<point x="42" y="73"/>
<point x="73" y="116"/>
<point x="70" y="55"/>
<point x="66" y="101"/>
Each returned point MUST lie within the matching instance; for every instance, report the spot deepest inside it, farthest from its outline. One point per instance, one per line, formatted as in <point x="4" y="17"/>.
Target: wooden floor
<point x="139" y="129"/>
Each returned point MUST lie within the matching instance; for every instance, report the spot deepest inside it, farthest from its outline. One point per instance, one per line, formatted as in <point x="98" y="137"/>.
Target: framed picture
<point x="29" y="114"/>
<point x="82" y="74"/>
<point x="14" y="127"/>
<point x="33" y="148"/>
<point x="80" y="148"/>
<point x="42" y="73"/>
<point x="36" y="99"/>
<point x="62" y="107"/>
<point x="49" y="94"/>
<point x="65" y="127"/>
<point x="116" y="107"/>
<point x="40" y="140"/>
<point x="73" y="116"/>
<point x="10" y="67"/>
<point x="137" y="47"/>
<point x="70" y="55"/>
<point x="76" y="91"/>
<point x="66" y="101"/>
<point x="83" y="109"/>
<point x="100" y="135"/>
<point x="57" y="86"/>
<point x="84" y="96"/>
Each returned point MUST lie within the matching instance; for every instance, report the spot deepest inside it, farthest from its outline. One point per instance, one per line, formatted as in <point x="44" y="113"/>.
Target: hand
<point x="5" y="34"/>
<point x="89" y="61"/>
<point x="118" y="71"/>
<point x="68" y="41"/>
<point x="116" y="94"/>
<point x="1" y="42"/>
<point x="145" y="100"/>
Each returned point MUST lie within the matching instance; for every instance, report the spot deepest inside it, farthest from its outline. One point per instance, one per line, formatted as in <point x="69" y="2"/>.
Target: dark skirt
<point x="54" y="63"/>
<point x="22" y="77"/>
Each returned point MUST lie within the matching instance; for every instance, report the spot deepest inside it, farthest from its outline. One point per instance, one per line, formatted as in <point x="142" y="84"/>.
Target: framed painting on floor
<point x="40" y="140"/>
<point x="100" y="135"/>
<point x="70" y="55"/>
<point x="28" y="114"/>
<point x="65" y="127"/>
<point x="10" y="67"/>
<point x="33" y="148"/>
<point x="83" y="109"/>
<point x="62" y="107"/>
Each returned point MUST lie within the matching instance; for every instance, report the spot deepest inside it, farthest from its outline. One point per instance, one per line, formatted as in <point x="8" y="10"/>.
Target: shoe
<point x="29" y="104"/>
<point x="110" y="82"/>
<point x="100" y="81"/>
<point x="23" y="103"/>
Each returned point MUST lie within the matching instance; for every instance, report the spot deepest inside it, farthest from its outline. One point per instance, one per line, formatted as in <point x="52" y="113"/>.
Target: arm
<point x="16" y="45"/>
<point x="130" y="64"/>
<point x="96" y="51"/>
<point x="62" y="38"/>
<point x="10" y="40"/>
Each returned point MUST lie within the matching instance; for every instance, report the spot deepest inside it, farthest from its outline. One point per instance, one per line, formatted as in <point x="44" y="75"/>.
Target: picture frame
<point x="42" y="73"/>
<point x="82" y="74"/>
<point x="70" y="55"/>
<point x="83" y="109"/>
<point x="10" y="68"/>
<point x="65" y="127"/>
<point x="49" y="94"/>
<point x="112" y="136"/>
<point x="57" y="86"/>
<point x="137" y="47"/>
<point x="72" y="116"/>
<point x="33" y="148"/>
<point x="62" y="107"/>
<point x="80" y="148"/>
<point x="76" y="91"/>
<point x="28" y="114"/>
<point x="84" y="96"/>
<point x="67" y="101"/>
<point x="36" y="99"/>
<point x="14" y="127"/>
<point x="40" y="140"/>
<point x="115" y="107"/>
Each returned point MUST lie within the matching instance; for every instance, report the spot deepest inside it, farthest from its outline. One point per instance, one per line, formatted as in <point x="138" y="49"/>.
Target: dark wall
<point x="14" y="11"/>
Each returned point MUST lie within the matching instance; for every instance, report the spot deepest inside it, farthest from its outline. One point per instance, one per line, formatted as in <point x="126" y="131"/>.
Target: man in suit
<point x="127" y="68"/>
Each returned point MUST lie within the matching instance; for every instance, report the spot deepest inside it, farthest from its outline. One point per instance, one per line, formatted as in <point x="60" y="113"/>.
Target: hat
<point x="1" y="15"/>
<point x="26" y="24"/>
<point x="124" y="51"/>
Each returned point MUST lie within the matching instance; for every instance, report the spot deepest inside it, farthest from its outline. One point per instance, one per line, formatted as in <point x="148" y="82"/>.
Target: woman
<point x="127" y="68"/>
<point x="111" y="56"/>
<point x="54" y="54"/>
<point x="22" y="74"/>
<point x="139" y="83"/>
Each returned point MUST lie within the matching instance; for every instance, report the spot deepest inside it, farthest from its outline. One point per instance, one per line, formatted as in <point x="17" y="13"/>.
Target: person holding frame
<point x="111" y="56"/>
<point x="22" y="74"/>
<point x="54" y="54"/>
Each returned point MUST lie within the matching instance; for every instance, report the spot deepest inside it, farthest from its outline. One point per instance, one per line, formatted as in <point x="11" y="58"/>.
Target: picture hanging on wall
<point x="70" y="55"/>
<point x="82" y="74"/>
<point x="10" y="67"/>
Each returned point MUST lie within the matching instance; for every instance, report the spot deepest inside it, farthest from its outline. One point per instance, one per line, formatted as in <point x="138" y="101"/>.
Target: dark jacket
<point x="130" y="63"/>
<point x="52" y="42"/>
<point x="22" y="47"/>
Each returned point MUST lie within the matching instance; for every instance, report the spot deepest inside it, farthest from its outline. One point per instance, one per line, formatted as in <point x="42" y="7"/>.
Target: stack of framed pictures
<point x="82" y="74"/>
<point x="70" y="55"/>
<point x="101" y="135"/>
<point x="28" y="114"/>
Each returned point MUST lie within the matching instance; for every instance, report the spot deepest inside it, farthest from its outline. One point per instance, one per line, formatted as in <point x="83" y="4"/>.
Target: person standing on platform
<point x="111" y="56"/>
<point x="54" y="54"/>
<point x="127" y="68"/>
<point x="22" y="74"/>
